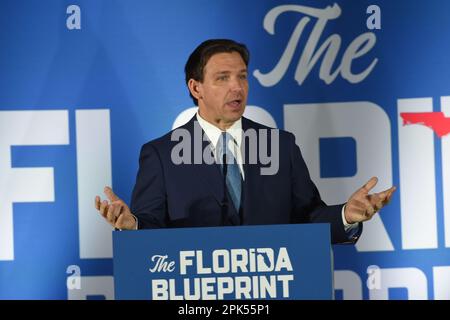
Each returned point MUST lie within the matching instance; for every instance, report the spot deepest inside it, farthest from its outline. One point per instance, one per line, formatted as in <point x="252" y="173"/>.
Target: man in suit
<point x="174" y="190"/>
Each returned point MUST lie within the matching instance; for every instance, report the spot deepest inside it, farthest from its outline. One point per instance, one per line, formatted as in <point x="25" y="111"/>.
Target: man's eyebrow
<point x="222" y="72"/>
<point x="228" y="72"/>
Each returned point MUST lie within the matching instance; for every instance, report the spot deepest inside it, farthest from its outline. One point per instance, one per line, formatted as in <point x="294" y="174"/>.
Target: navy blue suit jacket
<point x="192" y="195"/>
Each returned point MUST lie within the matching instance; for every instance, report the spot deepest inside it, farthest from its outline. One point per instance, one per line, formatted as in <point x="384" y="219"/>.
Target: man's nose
<point x="237" y="85"/>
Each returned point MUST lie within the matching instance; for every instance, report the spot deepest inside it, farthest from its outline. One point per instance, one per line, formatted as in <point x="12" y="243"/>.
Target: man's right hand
<point x="116" y="212"/>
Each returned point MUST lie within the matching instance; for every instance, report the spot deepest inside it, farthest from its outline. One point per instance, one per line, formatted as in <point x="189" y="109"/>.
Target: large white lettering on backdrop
<point x="310" y="54"/>
<point x="31" y="128"/>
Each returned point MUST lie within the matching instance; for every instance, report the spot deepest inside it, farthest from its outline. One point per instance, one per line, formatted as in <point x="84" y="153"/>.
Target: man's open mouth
<point x="235" y="103"/>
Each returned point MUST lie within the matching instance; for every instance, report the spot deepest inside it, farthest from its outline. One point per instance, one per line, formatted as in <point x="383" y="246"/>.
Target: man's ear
<point x="194" y="88"/>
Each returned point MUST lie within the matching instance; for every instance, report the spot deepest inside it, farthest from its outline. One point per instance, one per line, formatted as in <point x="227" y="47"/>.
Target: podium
<point x="245" y="262"/>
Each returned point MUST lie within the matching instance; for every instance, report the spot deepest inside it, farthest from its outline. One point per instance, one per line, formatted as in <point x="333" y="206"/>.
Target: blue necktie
<point x="233" y="178"/>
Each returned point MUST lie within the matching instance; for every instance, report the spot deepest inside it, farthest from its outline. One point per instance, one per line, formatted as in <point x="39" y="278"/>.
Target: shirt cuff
<point x="137" y="224"/>
<point x="347" y="226"/>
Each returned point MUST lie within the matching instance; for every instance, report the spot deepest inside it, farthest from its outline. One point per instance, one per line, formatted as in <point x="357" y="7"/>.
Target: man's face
<point x="222" y="96"/>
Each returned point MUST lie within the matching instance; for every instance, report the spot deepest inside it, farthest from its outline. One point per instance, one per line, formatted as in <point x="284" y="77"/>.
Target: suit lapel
<point x="252" y="182"/>
<point x="210" y="174"/>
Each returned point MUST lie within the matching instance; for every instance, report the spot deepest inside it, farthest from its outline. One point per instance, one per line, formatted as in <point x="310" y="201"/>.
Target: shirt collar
<point x="213" y="133"/>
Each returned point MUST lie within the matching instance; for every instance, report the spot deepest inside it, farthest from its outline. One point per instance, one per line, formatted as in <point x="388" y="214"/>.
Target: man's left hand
<point x="362" y="206"/>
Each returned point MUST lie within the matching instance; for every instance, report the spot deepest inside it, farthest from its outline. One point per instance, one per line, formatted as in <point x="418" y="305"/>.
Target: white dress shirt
<point x="213" y="133"/>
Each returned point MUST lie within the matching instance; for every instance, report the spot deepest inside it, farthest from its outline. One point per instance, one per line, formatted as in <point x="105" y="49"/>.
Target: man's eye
<point x="243" y="76"/>
<point x="222" y="78"/>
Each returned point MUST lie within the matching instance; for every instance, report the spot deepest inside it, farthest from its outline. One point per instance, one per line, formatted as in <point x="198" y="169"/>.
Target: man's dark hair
<point x="199" y="57"/>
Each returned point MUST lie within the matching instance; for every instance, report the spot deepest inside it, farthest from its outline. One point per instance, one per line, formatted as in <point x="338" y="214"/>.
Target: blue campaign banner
<point x="364" y="86"/>
<point x="224" y="263"/>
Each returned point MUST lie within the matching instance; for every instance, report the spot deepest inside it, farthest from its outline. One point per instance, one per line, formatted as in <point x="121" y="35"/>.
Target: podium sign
<point x="246" y="262"/>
